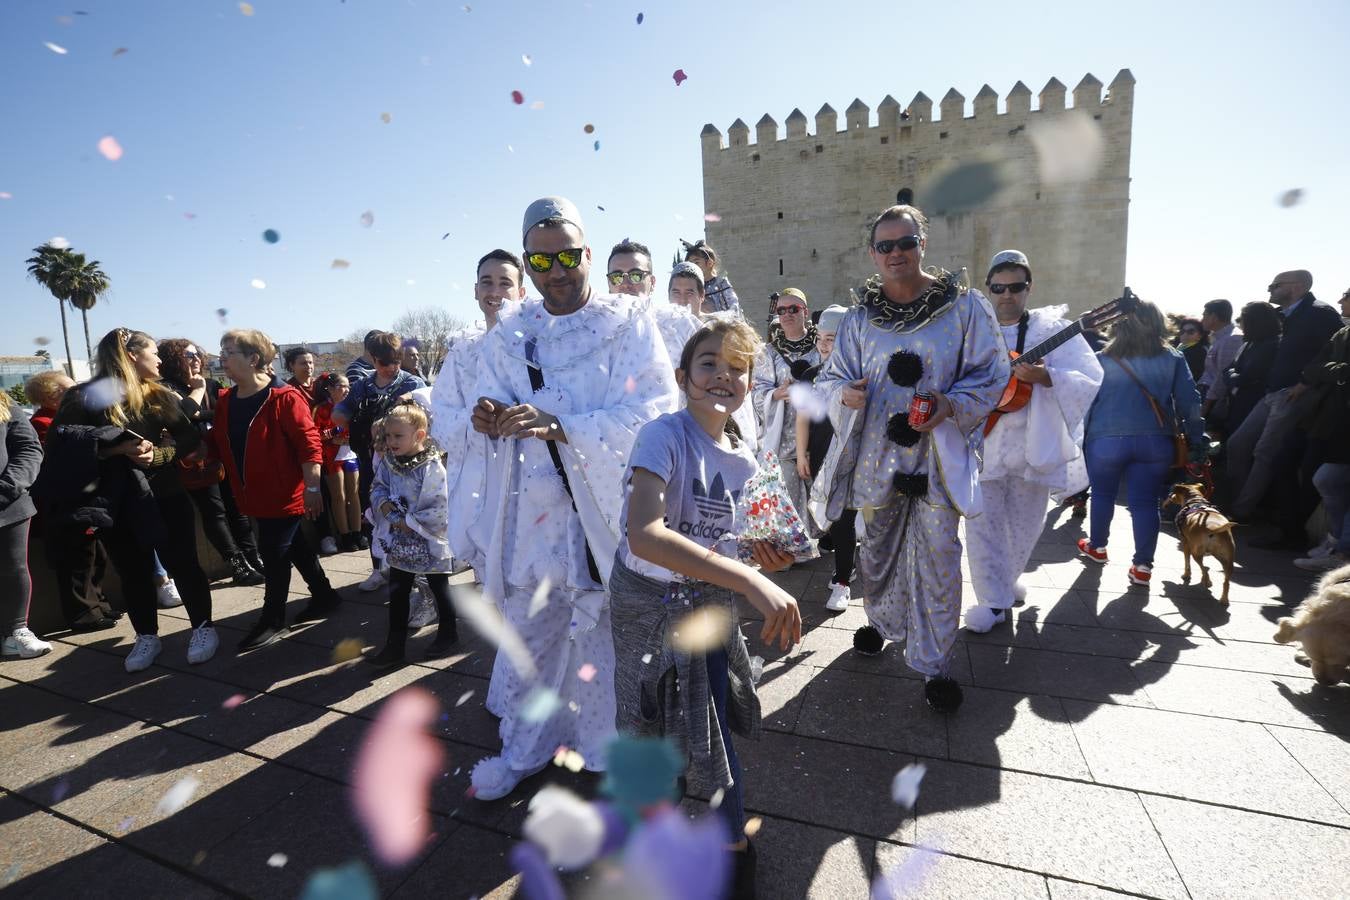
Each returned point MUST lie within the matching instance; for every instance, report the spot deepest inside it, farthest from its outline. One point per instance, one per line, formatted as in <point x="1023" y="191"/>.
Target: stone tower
<point x="1051" y="181"/>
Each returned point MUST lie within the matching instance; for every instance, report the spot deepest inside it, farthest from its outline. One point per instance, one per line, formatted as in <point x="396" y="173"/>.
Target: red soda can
<point x="920" y="408"/>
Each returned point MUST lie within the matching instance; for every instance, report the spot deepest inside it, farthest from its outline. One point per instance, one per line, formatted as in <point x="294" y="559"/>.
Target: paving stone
<point x="1229" y="854"/>
<point x="1056" y="674"/>
<point x="1197" y="758"/>
<point x="832" y="648"/>
<point x="782" y="690"/>
<point x="872" y="710"/>
<point x="924" y="875"/>
<point x="1273" y="699"/>
<point x="111" y="870"/>
<point x="1014" y="731"/>
<point x="846" y="788"/>
<point x="1077" y="831"/>
<point x="1325" y="756"/>
<point x="473" y="860"/>
<point x="33" y="841"/>
<point x="1076" y="890"/>
<point x="325" y="745"/>
<point x="796" y="860"/>
<point x="1225" y="653"/>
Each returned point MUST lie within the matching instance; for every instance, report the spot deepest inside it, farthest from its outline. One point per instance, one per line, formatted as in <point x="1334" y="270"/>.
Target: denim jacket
<point x="1121" y="408"/>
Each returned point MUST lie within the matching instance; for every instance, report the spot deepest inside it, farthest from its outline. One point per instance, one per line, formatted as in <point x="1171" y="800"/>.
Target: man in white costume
<point x="565" y="383"/>
<point x="785" y="360"/>
<point x="1029" y="452"/>
<point x="914" y="330"/>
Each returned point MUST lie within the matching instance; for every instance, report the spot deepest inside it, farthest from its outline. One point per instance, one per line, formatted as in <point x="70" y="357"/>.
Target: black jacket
<point x="20" y="460"/>
<point x="1306" y="331"/>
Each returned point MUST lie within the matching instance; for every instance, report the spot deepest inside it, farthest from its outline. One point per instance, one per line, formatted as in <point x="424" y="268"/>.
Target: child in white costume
<point x="1030" y="452"/>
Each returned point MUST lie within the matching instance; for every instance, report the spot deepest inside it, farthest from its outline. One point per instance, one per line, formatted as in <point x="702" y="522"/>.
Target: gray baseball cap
<point x="830" y="317"/>
<point x="1015" y="257"/>
<point x="549" y="208"/>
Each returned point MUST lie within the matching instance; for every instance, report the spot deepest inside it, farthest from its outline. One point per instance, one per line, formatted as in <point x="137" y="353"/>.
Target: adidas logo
<point x="714" y="501"/>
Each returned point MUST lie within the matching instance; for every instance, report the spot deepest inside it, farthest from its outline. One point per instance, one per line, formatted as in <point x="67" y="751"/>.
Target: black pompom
<point x="802" y="370"/>
<point x="905" y="368"/>
<point x="915" y="485"/>
<point x="943" y="694"/>
<point x="868" y="641"/>
<point x="899" y="430"/>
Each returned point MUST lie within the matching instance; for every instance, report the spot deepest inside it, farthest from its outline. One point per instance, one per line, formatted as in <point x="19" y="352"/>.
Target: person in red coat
<point x="266" y="439"/>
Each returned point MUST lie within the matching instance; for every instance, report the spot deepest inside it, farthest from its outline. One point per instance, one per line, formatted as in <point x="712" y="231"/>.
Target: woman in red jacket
<point x="266" y="438"/>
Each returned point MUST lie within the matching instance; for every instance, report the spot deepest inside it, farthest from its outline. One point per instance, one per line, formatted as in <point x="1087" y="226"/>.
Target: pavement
<point x="1113" y="740"/>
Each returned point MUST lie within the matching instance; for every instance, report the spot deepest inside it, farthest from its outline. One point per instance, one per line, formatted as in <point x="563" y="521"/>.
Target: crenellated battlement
<point x="916" y="120"/>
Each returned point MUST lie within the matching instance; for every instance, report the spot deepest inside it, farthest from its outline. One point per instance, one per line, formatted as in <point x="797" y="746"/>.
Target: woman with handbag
<point x="1144" y="422"/>
<point x="182" y="365"/>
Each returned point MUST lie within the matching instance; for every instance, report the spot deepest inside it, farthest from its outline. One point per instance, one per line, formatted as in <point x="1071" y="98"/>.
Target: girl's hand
<point x="781" y="392"/>
<point x="769" y="558"/>
<point x="141" y="453"/>
<point x="803" y="464"/>
<point x="782" y="618"/>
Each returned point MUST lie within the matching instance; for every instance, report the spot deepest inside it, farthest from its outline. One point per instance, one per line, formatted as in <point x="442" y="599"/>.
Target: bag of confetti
<point x="765" y="513"/>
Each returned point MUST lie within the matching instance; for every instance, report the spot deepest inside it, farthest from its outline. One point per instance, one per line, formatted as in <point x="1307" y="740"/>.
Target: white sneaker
<point x="202" y="645"/>
<point x="25" y="645"/>
<point x="1324" y="563"/>
<point x="839" y="598"/>
<point x="147" y="647"/>
<point x="423" y="610"/>
<point x="328" y="546"/>
<point x="1324" y="549"/>
<point x="374" y="581"/>
<point x="981" y="619"/>
<point x="167" y="595"/>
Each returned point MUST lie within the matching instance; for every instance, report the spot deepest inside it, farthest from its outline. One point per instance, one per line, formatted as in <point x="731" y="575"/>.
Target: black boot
<point x="244" y="574"/>
<point x="254" y="560"/>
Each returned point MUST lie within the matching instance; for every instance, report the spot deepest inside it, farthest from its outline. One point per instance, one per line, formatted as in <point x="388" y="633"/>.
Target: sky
<point x="231" y="124"/>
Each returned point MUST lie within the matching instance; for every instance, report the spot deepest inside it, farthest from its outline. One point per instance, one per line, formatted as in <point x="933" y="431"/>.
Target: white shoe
<point x="493" y="778"/>
<point x="374" y="581"/>
<point x="328" y="546"/>
<point x="25" y="645"/>
<point x="982" y="619"/>
<point x="167" y="595"/>
<point x="1324" y="549"/>
<point x="147" y="647"/>
<point x="839" y="598"/>
<point x="202" y="645"/>
<point x="423" y="610"/>
<point x="1322" y="564"/>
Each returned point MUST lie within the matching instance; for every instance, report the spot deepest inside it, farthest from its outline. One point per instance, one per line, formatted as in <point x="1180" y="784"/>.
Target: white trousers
<point x="999" y="541"/>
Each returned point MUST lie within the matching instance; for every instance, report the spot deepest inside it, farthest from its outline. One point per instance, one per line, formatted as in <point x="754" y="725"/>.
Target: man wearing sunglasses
<point x="1029" y="452"/>
<point x="914" y="330"/>
<point x="789" y="356"/>
<point x="564" y="385"/>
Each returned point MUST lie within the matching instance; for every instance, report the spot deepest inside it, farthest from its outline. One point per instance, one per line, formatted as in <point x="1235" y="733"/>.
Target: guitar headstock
<point x="1110" y="311"/>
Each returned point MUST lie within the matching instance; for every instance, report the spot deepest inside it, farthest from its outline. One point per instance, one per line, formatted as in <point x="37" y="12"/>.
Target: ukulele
<point x="1017" y="393"/>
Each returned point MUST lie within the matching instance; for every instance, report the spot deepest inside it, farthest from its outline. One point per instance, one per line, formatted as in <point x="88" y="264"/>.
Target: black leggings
<point x="226" y="528"/>
<point x="365" y="478"/>
<point x="178" y="553"/>
<point x="281" y="544"/>
<point x="15" y="584"/>
<point x="844" y="535"/>
<point x="400" y="590"/>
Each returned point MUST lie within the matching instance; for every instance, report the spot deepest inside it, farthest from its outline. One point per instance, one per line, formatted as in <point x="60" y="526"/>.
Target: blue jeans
<point x="1333" y="483"/>
<point x="732" y="809"/>
<point x="1143" y="460"/>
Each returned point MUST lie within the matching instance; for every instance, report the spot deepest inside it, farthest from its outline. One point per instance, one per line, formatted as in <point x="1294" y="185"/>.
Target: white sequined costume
<point x="778" y="418"/>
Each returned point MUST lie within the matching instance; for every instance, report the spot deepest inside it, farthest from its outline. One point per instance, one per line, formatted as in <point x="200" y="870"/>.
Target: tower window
<point x="780" y="214"/>
<point x="754" y="157"/>
<point x="885" y="138"/>
<point x="820" y="148"/>
<point x="780" y="266"/>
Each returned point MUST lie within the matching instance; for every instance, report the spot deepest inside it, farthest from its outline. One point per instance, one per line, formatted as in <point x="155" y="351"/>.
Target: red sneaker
<point x="1140" y="574"/>
<point x="1087" y="551"/>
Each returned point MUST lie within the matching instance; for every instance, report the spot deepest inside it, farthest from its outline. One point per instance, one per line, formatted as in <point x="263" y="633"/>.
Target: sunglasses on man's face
<point x="1016" y="287"/>
<point x="908" y="242"/>
<point x="542" y="262"/>
<point x="791" y="309"/>
<point x="633" y="276"/>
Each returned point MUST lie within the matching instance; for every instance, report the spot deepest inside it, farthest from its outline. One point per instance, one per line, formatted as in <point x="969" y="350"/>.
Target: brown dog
<point x="1204" y="531"/>
<point x="1322" y="625"/>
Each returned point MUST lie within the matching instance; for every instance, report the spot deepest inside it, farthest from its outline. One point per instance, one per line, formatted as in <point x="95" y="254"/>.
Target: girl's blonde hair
<point x="740" y="343"/>
<point x="43" y="387"/>
<point x="1141" y="333"/>
<point x="251" y="340"/>
<point x="408" y="412"/>
<point x="113" y="360"/>
<point x="5" y="407"/>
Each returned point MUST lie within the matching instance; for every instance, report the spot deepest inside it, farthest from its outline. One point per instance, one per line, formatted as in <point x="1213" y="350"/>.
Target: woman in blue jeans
<point x="1124" y="438"/>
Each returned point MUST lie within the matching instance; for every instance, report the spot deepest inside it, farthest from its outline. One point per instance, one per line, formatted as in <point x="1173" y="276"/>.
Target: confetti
<point x="102" y="393"/>
<point x="597" y="145"/>
<point x="347" y="650"/>
<point x="525" y="58"/>
<point x="178" y="796"/>
<point x="258" y="283"/>
<point x="222" y="314"/>
<point x="539" y="704"/>
<point x="640" y="772"/>
<point x="601" y="208"/>
<point x="569" y="759"/>
<point x="640" y="18"/>
<point x="233" y="701"/>
<point x="712" y="217"/>
<point x="680" y="77"/>
<point x="629" y="384"/>
<point x="906" y="879"/>
<point x="702" y="630"/>
<point x="246" y="8"/>
<point x="42" y="341"/>
<point x="905" y="785"/>
<point x="588" y="128"/>
<point x="1069" y="147"/>
<point x="568" y="829"/>
<point x="59" y="243"/>
<point x="395" y="767"/>
<point x="278" y="860"/>
<point x="126" y="824"/>
<point x="386" y="118"/>
<point x="350" y="882"/>
<point x="517" y="97"/>
<point x="119" y="51"/>
<point x="807" y="401"/>
<point x="367" y="218"/>
<point x="1291" y="197"/>
<point x="60" y="790"/>
<point x="539" y="599"/>
<point x="752" y="826"/>
<point x="464" y="698"/>
<point x="110" y="149"/>
<point x="271" y="235"/>
<point x="671" y="855"/>
<point x="538" y="104"/>
<point x="587" y="672"/>
<point x="6" y="195"/>
<point x="485" y="618"/>
<point x="339" y="264"/>
<point x="446" y="235"/>
<point x="55" y="48"/>
<point x="189" y="216"/>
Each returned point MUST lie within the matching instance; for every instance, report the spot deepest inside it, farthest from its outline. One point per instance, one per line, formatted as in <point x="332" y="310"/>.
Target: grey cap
<point x="687" y="270"/>
<point x="830" y="317"/>
<point x="1015" y="257"/>
<point x="549" y="208"/>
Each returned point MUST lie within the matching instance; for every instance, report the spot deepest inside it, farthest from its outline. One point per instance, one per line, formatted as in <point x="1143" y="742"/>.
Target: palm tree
<point x="70" y="279"/>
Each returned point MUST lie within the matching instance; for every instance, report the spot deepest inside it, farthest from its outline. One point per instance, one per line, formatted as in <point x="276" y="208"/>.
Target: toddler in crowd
<point x="340" y="466"/>
<point x="685" y="474"/>
<point x="410" y="507"/>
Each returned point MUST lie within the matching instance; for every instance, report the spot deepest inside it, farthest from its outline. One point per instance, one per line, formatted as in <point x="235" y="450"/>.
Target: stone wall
<point x="794" y="210"/>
